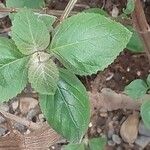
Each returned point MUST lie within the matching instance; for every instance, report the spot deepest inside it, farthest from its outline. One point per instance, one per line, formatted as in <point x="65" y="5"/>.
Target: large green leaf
<point x="68" y="111"/>
<point x="88" y="42"/>
<point x="135" y="44"/>
<point x="145" y="113"/>
<point x="136" y="89"/>
<point x="25" y="3"/>
<point x="29" y="32"/>
<point x="97" y="143"/>
<point x="13" y="70"/>
<point x="43" y="73"/>
<point x="74" y="147"/>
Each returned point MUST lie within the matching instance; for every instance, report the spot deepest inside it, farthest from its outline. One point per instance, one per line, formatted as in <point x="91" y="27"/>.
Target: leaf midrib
<point x="79" y="42"/>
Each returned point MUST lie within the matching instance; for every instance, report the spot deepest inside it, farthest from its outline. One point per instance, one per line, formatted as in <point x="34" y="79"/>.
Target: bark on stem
<point x="141" y="25"/>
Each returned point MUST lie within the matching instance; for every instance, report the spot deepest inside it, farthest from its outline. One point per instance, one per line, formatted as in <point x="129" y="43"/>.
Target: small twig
<point x="31" y="125"/>
<point x="57" y="13"/>
<point x="141" y="25"/>
<point x="68" y="9"/>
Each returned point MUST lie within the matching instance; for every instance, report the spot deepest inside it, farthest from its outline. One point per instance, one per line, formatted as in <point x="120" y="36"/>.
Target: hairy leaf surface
<point x="29" y="32"/>
<point x="13" y="70"/>
<point x="88" y="42"/>
<point x="43" y="73"/>
<point x="68" y="110"/>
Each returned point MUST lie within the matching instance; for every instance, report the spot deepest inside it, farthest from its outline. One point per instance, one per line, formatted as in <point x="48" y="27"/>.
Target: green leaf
<point x="130" y="7"/>
<point x="74" y="147"/>
<point x="145" y="113"/>
<point x="47" y="19"/>
<point x="136" y="89"/>
<point x="68" y="111"/>
<point x="13" y="70"/>
<point x="43" y="73"/>
<point x="33" y="4"/>
<point x="135" y="44"/>
<point x="88" y="42"/>
<point x="29" y="33"/>
<point x="25" y="3"/>
<point x="97" y="143"/>
<point x="148" y="80"/>
<point x="97" y="10"/>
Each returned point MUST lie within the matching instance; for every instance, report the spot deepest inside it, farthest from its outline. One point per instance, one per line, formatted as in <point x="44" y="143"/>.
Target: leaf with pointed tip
<point x="68" y="111"/>
<point x="88" y="42"/>
<point x="29" y="32"/>
<point x="13" y="70"/>
<point x="136" y="89"/>
<point x="135" y="44"/>
<point x="43" y="73"/>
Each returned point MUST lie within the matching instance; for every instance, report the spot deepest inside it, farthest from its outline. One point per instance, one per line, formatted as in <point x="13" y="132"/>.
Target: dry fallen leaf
<point x="129" y="128"/>
<point x="108" y="100"/>
<point x="27" y="103"/>
<point x="40" y="139"/>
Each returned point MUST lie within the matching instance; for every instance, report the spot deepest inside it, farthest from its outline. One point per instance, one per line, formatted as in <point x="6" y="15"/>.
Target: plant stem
<point x="57" y="13"/>
<point x="141" y="25"/>
<point x="68" y="9"/>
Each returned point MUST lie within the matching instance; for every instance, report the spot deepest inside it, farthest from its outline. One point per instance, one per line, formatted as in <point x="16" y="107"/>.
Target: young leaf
<point x="25" y="3"/>
<point x="97" y="143"/>
<point x="68" y="111"/>
<point x="130" y="7"/>
<point x="145" y="113"/>
<point x="136" y="89"/>
<point x="135" y="44"/>
<point x="97" y="10"/>
<point x="88" y="42"/>
<point x="29" y="33"/>
<point x="74" y="147"/>
<point x="43" y="73"/>
<point x="47" y="19"/>
<point x="33" y="4"/>
<point x="13" y="70"/>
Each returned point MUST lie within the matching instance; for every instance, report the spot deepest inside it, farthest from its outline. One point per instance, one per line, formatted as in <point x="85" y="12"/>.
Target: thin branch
<point x="57" y="13"/>
<point x="29" y="124"/>
<point x="68" y="9"/>
<point x="141" y="25"/>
